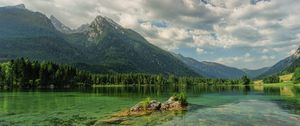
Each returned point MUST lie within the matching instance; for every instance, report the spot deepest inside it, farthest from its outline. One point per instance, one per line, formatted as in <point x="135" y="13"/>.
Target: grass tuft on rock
<point x="146" y="102"/>
<point x="181" y="97"/>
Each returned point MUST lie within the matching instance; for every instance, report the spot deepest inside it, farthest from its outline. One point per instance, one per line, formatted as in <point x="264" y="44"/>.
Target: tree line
<point x="276" y="79"/>
<point x="271" y="79"/>
<point x="23" y="73"/>
<point x="296" y="76"/>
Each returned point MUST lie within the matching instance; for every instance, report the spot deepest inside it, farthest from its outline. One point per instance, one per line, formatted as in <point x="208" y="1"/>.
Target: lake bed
<point x="210" y="105"/>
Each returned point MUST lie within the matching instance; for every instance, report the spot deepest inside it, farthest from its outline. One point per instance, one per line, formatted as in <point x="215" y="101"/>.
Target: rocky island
<point x="173" y="103"/>
<point x="147" y="107"/>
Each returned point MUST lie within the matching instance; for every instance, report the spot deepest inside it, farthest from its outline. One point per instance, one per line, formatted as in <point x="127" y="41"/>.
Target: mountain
<point x="296" y="63"/>
<point x="17" y="21"/>
<point x="216" y="70"/>
<point x="65" y="29"/>
<point x="24" y="33"/>
<point x="20" y="6"/>
<point x="60" y="26"/>
<point x="287" y="64"/>
<point x="210" y="69"/>
<point x="82" y="28"/>
<point x="124" y="50"/>
<point x="102" y="46"/>
<point x="255" y="73"/>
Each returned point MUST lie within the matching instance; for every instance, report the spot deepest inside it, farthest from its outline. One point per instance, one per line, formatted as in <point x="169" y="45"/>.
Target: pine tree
<point x="245" y="80"/>
<point x="296" y="76"/>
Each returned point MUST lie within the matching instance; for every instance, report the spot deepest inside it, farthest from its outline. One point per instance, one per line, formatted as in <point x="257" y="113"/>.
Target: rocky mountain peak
<point x="54" y="20"/>
<point x="101" y="21"/>
<point x="296" y="55"/>
<point x="21" y="6"/>
<point x="103" y="25"/>
<point x="59" y="25"/>
<point x="52" y="17"/>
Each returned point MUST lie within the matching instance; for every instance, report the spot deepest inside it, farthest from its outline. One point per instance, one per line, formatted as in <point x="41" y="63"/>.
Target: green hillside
<point x="104" y="47"/>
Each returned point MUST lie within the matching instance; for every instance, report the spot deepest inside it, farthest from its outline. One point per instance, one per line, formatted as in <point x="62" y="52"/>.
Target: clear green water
<point x="210" y="105"/>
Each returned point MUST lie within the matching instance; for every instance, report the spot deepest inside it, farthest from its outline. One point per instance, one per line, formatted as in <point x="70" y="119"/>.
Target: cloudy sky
<point x="240" y="33"/>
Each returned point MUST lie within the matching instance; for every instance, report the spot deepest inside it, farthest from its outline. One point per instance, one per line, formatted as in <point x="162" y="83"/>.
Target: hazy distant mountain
<point x="287" y="64"/>
<point x="216" y="70"/>
<point x="102" y="46"/>
<point x="212" y="70"/>
<point x="255" y="73"/>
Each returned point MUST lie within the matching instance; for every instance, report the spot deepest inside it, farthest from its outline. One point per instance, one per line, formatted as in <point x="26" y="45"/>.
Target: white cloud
<point x="265" y="50"/>
<point x="265" y="57"/>
<point x="129" y="21"/>
<point x="190" y="3"/>
<point x="240" y="61"/>
<point x="232" y="60"/>
<point x="247" y="55"/>
<point x="227" y="24"/>
<point x="173" y="33"/>
<point x="200" y="51"/>
<point x="269" y="26"/>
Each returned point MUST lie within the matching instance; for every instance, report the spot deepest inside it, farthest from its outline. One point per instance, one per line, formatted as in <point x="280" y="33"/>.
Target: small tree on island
<point x="296" y="76"/>
<point x="245" y="80"/>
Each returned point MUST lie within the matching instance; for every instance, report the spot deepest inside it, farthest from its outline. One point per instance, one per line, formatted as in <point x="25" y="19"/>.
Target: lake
<point x="210" y="105"/>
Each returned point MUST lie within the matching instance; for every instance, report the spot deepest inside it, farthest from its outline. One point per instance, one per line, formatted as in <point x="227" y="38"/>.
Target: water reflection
<point x="287" y="91"/>
<point x="244" y="113"/>
<point x="222" y="105"/>
<point x="228" y="103"/>
<point x="198" y="90"/>
<point x="258" y="88"/>
<point x="288" y="97"/>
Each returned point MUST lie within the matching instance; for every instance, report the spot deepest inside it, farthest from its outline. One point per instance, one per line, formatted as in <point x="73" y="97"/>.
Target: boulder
<point x="173" y="104"/>
<point x="141" y="106"/>
<point x="138" y="107"/>
<point x="171" y="99"/>
<point x="154" y="105"/>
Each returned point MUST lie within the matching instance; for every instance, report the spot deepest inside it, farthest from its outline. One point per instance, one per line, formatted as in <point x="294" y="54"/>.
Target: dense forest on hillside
<point x="101" y="46"/>
<point x="23" y="73"/>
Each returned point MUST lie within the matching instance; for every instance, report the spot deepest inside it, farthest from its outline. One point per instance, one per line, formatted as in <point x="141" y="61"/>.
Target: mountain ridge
<point x="288" y="64"/>
<point x="255" y="73"/>
<point x="60" y="26"/>
<point x="26" y="33"/>
<point x="216" y="70"/>
<point x="103" y="46"/>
